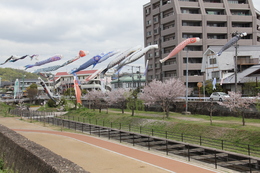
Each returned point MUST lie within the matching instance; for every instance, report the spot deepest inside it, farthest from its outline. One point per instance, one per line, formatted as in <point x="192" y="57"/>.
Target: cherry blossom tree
<point x="235" y="102"/>
<point x="163" y="93"/>
<point x="119" y="97"/>
<point x="96" y="97"/>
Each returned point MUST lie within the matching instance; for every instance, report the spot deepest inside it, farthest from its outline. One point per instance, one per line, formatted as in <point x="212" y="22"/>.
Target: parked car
<point x="218" y="96"/>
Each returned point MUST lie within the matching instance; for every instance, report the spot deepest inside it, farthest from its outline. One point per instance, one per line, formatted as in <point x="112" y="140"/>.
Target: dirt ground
<point x="93" y="158"/>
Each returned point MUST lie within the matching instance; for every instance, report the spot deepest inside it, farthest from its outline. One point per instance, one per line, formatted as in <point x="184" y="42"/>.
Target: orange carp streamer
<point x="180" y="46"/>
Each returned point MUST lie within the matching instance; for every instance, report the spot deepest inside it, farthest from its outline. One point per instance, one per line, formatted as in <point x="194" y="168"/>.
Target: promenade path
<point x="99" y="155"/>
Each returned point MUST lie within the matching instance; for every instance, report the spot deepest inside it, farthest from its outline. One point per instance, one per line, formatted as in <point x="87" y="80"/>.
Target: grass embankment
<point x="223" y="128"/>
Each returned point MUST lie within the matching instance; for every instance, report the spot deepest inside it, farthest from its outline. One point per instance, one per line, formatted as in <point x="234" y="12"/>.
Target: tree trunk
<point x="133" y="112"/>
<point x="211" y="110"/>
<point x="243" y="119"/>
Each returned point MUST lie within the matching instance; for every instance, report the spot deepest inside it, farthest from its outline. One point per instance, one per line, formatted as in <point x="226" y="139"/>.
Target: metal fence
<point x="250" y="150"/>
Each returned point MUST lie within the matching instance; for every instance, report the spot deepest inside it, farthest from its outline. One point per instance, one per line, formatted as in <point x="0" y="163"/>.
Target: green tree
<point x="133" y="103"/>
<point x="251" y="88"/>
<point x="209" y="87"/>
<point x="32" y="91"/>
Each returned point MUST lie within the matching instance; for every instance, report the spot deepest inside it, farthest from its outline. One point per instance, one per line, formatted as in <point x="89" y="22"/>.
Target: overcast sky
<point x="49" y="27"/>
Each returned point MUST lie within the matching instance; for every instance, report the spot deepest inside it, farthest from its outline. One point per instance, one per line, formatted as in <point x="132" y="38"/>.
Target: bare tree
<point x="119" y="97"/>
<point x="163" y="93"/>
<point x="235" y="102"/>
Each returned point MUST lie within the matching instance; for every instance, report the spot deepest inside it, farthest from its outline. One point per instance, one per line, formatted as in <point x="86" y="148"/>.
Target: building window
<point x="192" y="72"/>
<point x="156" y="31"/>
<point x="216" y="24"/>
<point x="190" y="35"/>
<point x="170" y="61"/>
<point x="149" y="33"/>
<point x="215" y="12"/>
<point x="213" y="61"/>
<point x="192" y="60"/>
<point x="215" y="74"/>
<point x="171" y="73"/>
<point x="168" y="37"/>
<point x="156" y="54"/>
<point x="217" y="36"/>
<point x="191" y="23"/>
<point x="168" y="25"/>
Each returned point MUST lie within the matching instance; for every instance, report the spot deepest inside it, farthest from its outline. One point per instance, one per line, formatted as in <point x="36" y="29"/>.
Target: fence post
<point x="216" y="165"/>
<point x="133" y="140"/>
<point x="248" y="149"/>
<point x="167" y="150"/>
<point x="188" y="152"/>
<point x="181" y="137"/>
<point x="148" y="143"/>
<point x="108" y="134"/>
<point x="250" y="169"/>
<point x="120" y="136"/>
<point x="222" y="144"/>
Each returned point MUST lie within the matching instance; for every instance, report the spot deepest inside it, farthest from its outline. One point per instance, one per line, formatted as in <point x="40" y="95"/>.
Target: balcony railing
<point x="241" y="61"/>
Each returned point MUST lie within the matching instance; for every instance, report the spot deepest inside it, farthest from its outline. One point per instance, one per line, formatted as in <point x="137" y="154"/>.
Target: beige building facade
<point x="167" y="23"/>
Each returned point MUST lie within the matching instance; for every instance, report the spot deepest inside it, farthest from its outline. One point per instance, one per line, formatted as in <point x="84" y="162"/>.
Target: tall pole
<point x="23" y="84"/>
<point x="186" y="107"/>
<point x="235" y="67"/>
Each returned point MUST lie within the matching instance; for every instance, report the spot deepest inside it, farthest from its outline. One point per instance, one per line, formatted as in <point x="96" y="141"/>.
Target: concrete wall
<point x="23" y="155"/>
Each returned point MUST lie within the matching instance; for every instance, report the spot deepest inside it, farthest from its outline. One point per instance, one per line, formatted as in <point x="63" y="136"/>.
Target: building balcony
<point x="241" y="18"/>
<point x="213" y="5"/>
<point x="168" y="31"/>
<point x="188" y="4"/>
<point x="242" y="29"/>
<point x="191" y="16"/>
<point x="247" y="61"/>
<point x="169" y="67"/>
<point x="216" y="18"/>
<point x="238" y="6"/>
<point x="220" y="42"/>
<point x="166" y="7"/>
<point x="192" y="78"/>
<point x="193" y="29"/>
<point x="169" y="43"/>
<point x="217" y="29"/>
<point x="167" y="19"/>
<point x="156" y="11"/>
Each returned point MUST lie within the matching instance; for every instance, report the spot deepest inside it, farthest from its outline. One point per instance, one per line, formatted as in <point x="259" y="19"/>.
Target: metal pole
<point x="235" y="68"/>
<point x="186" y="107"/>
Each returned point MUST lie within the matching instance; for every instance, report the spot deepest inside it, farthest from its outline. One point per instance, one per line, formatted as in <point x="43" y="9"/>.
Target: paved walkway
<point x="98" y="155"/>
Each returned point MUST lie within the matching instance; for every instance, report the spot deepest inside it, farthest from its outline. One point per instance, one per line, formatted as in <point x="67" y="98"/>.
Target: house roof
<point x="128" y="78"/>
<point x="245" y="76"/>
<point x="86" y="72"/>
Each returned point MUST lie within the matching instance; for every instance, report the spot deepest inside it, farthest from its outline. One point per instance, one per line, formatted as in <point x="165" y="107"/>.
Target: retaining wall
<point x="23" y="155"/>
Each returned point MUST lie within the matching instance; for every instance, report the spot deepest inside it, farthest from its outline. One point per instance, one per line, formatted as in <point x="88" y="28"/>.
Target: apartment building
<point x="169" y="22"/>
